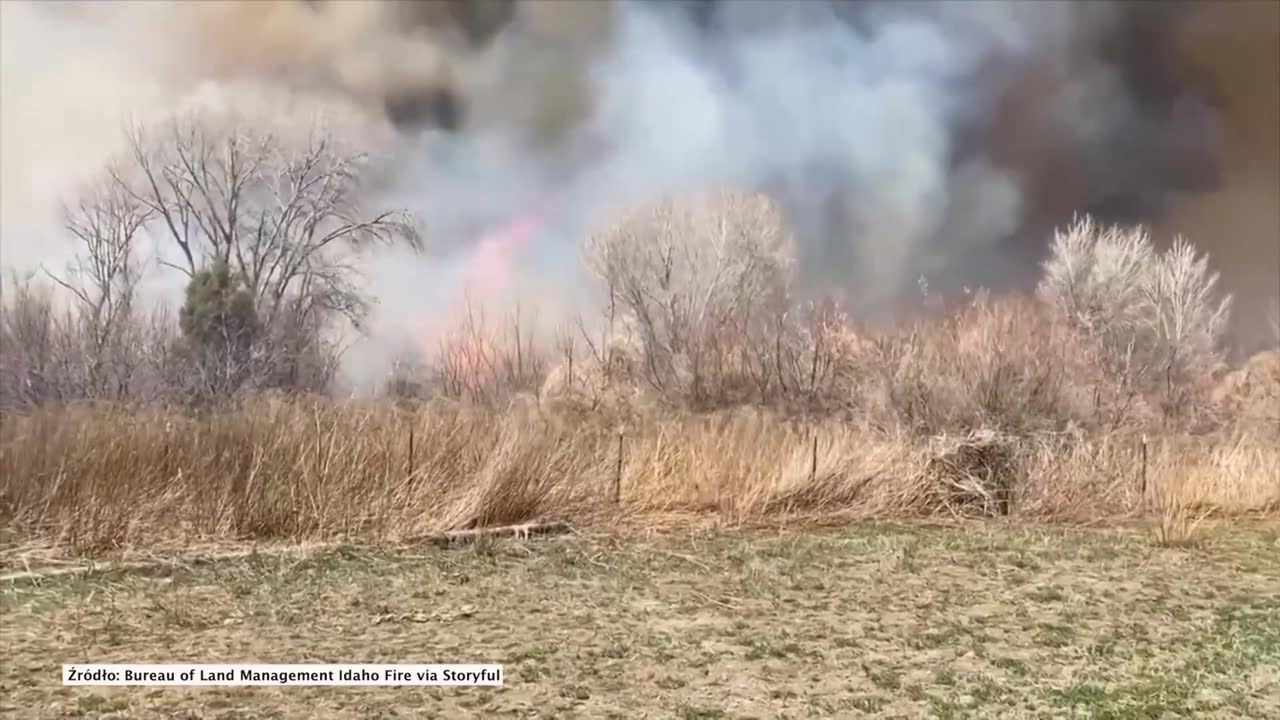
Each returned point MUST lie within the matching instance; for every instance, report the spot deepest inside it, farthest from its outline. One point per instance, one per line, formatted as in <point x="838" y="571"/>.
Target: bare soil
<point x="877" y="620"/>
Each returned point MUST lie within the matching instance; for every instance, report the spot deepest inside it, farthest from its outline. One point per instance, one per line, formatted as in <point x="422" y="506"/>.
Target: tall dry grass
<point x="96" y="479"/>
<point x="987" y="412"/>
<point x="698" y="400"/>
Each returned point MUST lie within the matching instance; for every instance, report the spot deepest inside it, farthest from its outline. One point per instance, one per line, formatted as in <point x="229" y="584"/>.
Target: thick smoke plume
<point x="906" y="139"/>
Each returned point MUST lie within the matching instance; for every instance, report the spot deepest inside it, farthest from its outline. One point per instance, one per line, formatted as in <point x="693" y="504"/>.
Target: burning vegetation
<point x="751" y="261"/>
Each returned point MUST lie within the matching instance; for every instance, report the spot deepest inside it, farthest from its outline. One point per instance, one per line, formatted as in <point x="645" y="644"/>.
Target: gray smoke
<point x="942" y="139"/>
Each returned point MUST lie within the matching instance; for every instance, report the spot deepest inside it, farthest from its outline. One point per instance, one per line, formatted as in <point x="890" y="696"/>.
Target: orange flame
<point x="491" y="266"/>
<point x="457" y="339"/>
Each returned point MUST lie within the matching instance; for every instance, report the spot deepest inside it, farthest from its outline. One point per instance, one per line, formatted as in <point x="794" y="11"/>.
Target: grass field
<point x="883" y="620"/>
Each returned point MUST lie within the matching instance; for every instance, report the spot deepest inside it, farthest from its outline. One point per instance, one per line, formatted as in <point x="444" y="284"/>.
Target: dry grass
<point x="94" y="480"/>
<point x="1178" y="525"/>
<point x="864" y="621"/>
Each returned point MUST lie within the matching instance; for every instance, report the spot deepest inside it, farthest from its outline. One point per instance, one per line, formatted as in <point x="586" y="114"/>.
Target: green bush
<point x="220" y="326"/>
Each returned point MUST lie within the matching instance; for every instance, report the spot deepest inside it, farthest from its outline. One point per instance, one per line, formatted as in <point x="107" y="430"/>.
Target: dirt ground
<point x="877" y="620"/>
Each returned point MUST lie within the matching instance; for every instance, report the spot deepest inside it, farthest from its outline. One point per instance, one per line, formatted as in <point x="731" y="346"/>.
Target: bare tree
<point x="286" y="217"/>
<point x="1113" y="283"/>
<point x="33" y="356"/>
<point x="1186" y="314"/>
<point x="697" y="283"/>
<point x="102" y="278"/>
<point x="1095" y="276"/>
<point x="1159" y="315"/>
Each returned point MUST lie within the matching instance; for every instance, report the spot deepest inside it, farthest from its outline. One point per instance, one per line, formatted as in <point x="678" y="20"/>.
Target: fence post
<point x="617" y="474"/>
<point x="813" y="463"/>
<point x="1143" y="500"/>
<point x="410" y="468"/>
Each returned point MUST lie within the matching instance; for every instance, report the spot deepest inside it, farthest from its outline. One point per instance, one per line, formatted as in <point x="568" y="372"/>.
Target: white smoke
<point x="866" y="119"/>
<point x="852" y="123"/>
<point x="855" y="120"/>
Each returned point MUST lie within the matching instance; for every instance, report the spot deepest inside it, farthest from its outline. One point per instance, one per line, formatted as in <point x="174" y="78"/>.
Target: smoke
<point x="1236" y="55"/>
<point x="942" y="139"/>
<point x="906" y="139"/>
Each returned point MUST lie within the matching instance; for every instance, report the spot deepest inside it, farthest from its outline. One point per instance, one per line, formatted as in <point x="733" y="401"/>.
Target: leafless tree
<point x="102" y="278"/>
<point x="1186" y="314"/>
<point x="1159" y="309"/>
<point x="697" y="283"/>
<point x="33" y="361"/>
<point x="285" y="216"/>
<point x="1095" y="276"/>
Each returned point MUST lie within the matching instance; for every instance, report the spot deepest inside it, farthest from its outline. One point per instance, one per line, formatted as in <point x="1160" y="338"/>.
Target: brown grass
<point x="92" y="480"/>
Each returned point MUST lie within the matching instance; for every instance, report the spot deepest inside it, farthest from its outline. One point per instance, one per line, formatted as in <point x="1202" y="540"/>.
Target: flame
<point x="490" y="269"/>
<point x="457" y="338"/>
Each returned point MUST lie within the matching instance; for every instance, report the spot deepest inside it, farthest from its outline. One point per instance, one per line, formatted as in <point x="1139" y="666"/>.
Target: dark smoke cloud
<point x="1232" y="52"/>
<point x="943" y="139"/>
<point x="1160" y="113"/>
<point x="1134" y="112"/>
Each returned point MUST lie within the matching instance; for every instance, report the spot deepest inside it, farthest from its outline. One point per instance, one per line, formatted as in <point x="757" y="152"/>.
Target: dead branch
<point x="522" y="531"/>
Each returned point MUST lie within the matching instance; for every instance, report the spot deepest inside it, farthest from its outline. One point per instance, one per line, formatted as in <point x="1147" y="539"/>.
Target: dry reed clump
<point x="1080" y="475"/>
<point x="975" y="473"/>
<point x="1226" y="475"/>
<point x="1005" y="366"/>
<point x="1194" y="478"/>
<point x="1252" y="393"/>
<point x="747" y="465"/>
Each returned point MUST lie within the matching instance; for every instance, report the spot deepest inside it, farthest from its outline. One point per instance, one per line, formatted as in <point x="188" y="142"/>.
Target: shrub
<point x="220" y="327"/>
<point x="702" y="287"/>
<point x="1159" y="314"/>
<point x="1095" y="276"/>
<point x="1184" y="317"/>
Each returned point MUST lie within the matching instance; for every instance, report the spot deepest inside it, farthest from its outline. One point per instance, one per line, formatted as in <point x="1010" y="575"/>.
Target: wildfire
<point x="458" y="338"/>
<point x="491" y="265"/>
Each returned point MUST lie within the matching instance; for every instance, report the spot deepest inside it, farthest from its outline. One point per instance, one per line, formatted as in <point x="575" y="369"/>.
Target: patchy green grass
<point x="883" y="620"/>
